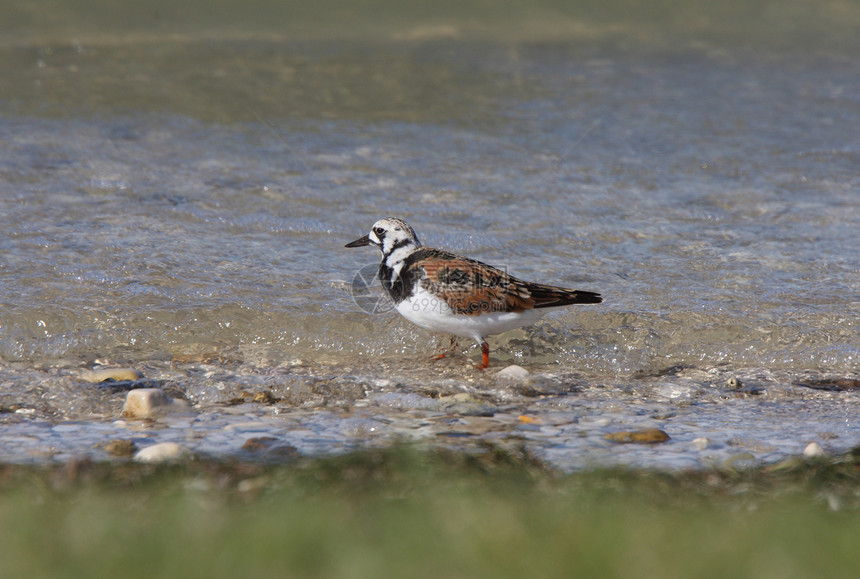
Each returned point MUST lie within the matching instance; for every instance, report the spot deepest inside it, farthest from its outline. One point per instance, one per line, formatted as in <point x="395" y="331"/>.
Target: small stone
<point x="114" y="374"/>
<point x="265" y="397"/>
<point x="145" y="403"/>
<point x="701" y="443"/>
<point x="526" y="419"/>
<point x="270" y="446"/>
<point x="461" y="398"/>
<point x="813" y="449"/>
<point x="465" y="404"/>
<point x="259" y="443"/>
<point x="163" y="452"/>
<point x="647" y="436"/>
<point x="734" y="383"/>
<point x="120" y="448"/>
<point x="513" y="373"/>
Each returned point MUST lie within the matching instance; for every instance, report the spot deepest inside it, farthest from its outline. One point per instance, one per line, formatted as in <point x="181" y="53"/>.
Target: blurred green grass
<point x="788" y="24"/>
<point x="404" y="512"/>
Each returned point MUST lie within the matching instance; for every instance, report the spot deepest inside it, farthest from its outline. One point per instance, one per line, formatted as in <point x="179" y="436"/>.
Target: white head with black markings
<point x="392" y="236"/>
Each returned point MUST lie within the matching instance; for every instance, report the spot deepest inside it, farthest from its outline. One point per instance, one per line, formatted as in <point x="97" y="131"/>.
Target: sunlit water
<point x="181" y="208"/>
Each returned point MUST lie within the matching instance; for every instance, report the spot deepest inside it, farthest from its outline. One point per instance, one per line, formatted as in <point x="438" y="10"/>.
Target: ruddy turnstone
<point x="445" y="292"/>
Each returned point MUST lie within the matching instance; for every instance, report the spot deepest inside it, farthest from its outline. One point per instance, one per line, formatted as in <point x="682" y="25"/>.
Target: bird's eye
<point x="380" y="232"/>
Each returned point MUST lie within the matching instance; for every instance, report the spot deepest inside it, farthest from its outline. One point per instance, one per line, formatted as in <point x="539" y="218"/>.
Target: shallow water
<point x="177" y="201"/>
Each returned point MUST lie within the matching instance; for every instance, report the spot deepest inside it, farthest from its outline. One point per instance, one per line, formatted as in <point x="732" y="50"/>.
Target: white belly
<point x="426" y="310"/>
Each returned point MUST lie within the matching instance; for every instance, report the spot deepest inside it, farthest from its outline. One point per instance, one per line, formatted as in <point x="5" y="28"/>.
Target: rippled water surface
<point x="176" y="200"/>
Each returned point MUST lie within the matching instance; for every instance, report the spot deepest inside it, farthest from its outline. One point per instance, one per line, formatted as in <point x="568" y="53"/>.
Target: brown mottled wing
<point x="468" y="286"/>
<point x="471" y="287"/>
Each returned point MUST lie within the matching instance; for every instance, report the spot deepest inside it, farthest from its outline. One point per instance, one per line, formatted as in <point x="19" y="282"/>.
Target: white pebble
<point x="813" y="449"/>
<point x="143" y="402"/>
<point x="162" y="452"/>
<point x="701" y="443"/>
<point x="148" y="403"/>
<point x="514" y="373"/>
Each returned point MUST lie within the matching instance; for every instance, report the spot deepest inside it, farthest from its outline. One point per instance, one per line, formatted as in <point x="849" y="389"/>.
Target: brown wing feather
<point x="472" y="287"/>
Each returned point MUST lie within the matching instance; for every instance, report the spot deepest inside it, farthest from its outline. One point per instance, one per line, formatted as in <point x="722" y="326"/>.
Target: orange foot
<point x="445" y="352"/>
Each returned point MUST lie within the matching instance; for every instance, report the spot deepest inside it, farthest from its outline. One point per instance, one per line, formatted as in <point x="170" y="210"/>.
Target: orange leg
<point x="444" y="352"/>
<point x="485" y="354"/>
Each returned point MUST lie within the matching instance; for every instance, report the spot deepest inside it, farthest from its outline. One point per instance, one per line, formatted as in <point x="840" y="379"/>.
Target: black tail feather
<point x="551" y="297"/>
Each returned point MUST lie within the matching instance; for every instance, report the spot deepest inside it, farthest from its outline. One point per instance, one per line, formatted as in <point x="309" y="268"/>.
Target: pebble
<point x="647" y="436"/>
<point x="120" y="448"/>
<point x="270" y="446"/>
<point x="163" y="452"/>
<point x="115" y="374"/>
<point x="701" y="443"/>
<point x="465" y="404"/>
<point x="461" y="398"/>
<point x="526" y="419"/>
<point x="513" y="373"/>
<point x="145" y="403"/>
<point x="149" y="403"/>
<point x="813" y="449"/>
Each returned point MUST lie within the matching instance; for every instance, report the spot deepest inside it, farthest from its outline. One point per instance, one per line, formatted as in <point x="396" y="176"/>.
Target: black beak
<point x="361" y="242"/>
